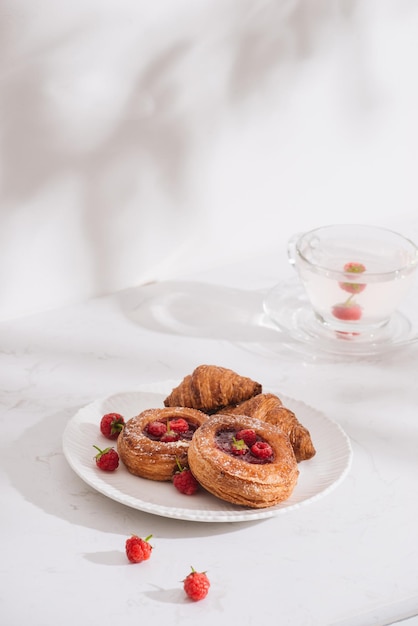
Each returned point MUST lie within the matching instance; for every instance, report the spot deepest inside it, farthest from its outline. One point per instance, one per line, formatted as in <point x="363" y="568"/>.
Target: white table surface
<point x="347" y="559"/>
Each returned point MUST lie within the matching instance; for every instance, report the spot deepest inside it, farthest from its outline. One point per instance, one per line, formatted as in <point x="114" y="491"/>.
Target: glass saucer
<point x="287" y="306"/>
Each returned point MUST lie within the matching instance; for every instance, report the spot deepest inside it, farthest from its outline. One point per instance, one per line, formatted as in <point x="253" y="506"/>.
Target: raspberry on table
<point x="111" y="425"/>
<point x="196" y="585"/>
<point x="137" y="549"/>
<point x="107" y="459"/>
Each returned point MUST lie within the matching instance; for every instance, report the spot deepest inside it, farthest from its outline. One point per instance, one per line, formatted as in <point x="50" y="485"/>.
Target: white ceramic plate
<point x="318" y="476"/>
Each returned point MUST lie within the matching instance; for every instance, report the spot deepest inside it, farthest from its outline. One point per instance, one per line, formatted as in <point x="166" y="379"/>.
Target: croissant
<point x="210" y="387"/>
<point x="269" y="408"/>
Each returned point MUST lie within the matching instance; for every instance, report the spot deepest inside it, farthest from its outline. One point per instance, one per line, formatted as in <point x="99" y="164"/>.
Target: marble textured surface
<point x="348" y="559"/>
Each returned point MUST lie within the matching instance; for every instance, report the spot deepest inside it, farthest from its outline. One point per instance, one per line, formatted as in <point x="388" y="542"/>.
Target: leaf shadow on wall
<point x="138" y="169"/>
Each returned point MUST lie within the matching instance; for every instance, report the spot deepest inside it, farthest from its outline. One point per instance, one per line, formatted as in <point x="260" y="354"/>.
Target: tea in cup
<point x="355" y="276"/>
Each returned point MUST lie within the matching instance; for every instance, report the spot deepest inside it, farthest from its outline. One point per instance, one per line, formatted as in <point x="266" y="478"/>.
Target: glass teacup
<point x="355" y="276"/>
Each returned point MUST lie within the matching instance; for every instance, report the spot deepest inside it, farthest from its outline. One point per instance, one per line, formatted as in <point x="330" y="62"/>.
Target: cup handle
<point x="291" y="249"/>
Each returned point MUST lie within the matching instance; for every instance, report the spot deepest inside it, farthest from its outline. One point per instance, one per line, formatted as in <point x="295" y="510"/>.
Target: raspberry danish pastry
<point x="152" y="442"/>
<point x="243" y="460"/>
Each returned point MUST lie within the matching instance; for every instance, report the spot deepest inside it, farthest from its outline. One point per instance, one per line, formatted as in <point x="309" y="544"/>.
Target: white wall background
<point x="142" y="138"/>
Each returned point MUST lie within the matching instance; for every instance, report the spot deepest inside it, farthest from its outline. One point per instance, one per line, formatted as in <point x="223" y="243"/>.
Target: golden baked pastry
<point x="210" y="387"/>
<point x="151" y="443"/>
<point x="239" y="476"/>
<point x="269" y="408"/>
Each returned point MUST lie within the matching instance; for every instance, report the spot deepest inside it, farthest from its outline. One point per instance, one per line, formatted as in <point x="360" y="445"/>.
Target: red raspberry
<point x="170" y="435"/>
<point x="184" y="481"/>
<point x="179" y="425"/>
<point x="262" y="450"/>
<point x="248" y="435"/>
<point x="111" y="425"/>
<point x="349" y="312"/>
<point x="156" y="429"/>
<point x="196" y="585"/>
<point x="137" y="549"/>
<point x="353" y="268"/>
<point x="107" y="459"/>
<point x="238" y="446"/>
<point x="353" y="287"/>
